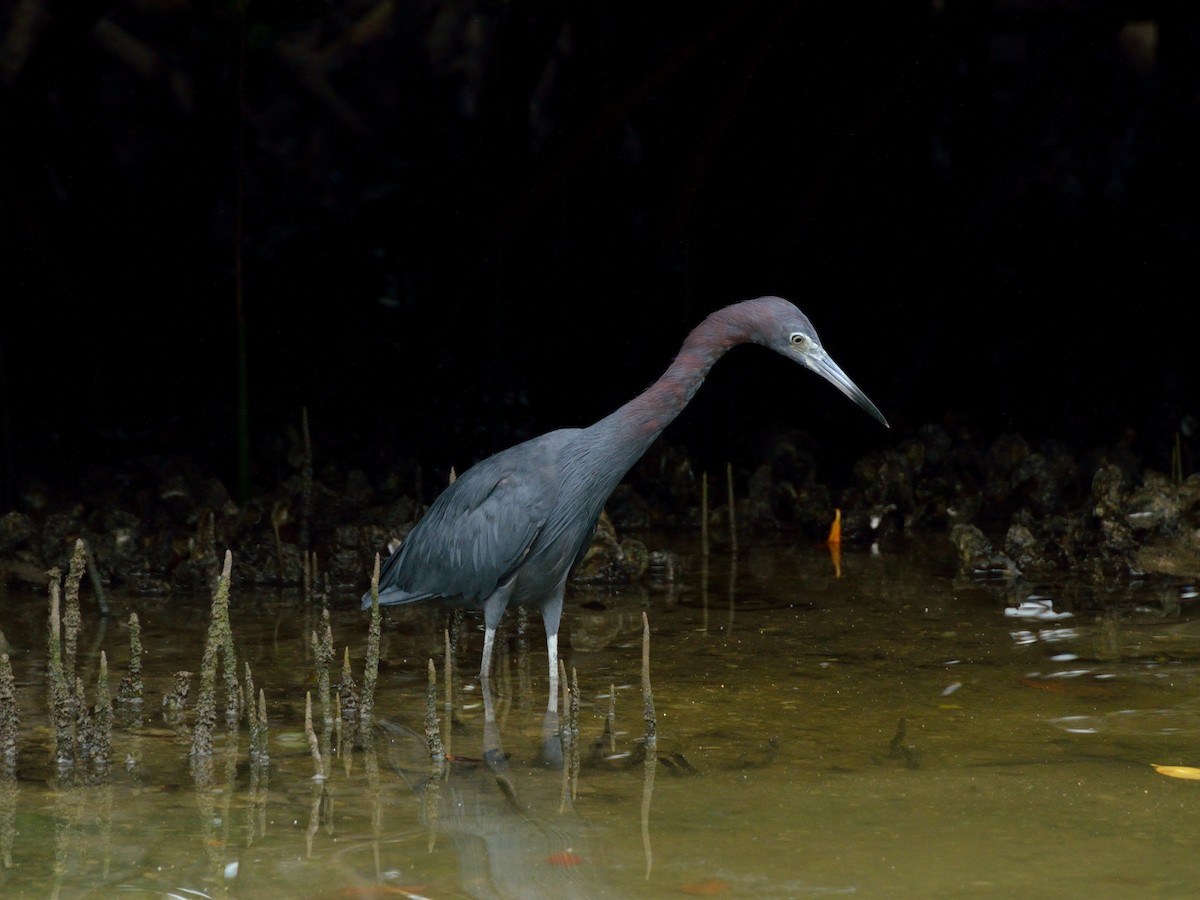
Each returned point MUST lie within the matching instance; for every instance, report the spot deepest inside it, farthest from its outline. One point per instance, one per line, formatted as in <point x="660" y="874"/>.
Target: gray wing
<point x="478" y="531"/>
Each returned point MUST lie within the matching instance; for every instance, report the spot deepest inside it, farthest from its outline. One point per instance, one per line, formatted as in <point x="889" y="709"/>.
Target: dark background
<point x="441" y="227"/>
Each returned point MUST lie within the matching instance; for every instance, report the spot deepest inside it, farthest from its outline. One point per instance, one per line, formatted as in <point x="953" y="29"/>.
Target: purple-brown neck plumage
<point x="629" y="431"/>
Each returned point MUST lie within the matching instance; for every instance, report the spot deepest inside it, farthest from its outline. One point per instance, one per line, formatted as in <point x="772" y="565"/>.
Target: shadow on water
<point x="884" y="729"/>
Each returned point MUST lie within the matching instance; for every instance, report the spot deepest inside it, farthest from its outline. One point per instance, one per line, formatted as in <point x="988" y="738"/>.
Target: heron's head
<point x="782" y="327"/>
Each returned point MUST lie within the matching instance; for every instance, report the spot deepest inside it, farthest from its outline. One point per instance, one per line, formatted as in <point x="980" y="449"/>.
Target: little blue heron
<point x="510" y="528"/>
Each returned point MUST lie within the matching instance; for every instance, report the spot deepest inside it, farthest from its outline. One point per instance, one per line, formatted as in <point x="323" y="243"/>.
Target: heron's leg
<point x="551" y="614"/>
<point x="485" y="668"/>
<point x="493" y="610"/>
<point x="552" y="653"/>
<point x="489" y="638"/>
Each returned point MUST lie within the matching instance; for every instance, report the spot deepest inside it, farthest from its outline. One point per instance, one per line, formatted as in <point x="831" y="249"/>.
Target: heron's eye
<point x="798" y="339"/>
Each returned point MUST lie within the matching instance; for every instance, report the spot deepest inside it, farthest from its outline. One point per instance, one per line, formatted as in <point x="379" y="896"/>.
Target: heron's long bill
<point x="831" y="372"/>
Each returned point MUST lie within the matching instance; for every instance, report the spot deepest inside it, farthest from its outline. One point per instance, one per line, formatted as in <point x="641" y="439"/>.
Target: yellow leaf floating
<point x="1188" y="773"/>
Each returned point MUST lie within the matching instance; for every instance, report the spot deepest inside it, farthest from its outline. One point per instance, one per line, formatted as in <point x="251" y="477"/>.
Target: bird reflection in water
<point x="513" y="823"/>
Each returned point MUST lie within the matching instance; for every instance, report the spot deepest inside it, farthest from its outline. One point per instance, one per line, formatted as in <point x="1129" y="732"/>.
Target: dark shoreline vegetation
<point x="1010" y="509"/>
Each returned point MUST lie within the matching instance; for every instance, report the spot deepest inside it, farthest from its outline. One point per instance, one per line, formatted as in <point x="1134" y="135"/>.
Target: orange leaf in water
<point x="566" y="858"/>
<point x="834" y="543"/>
<point x="1188" y="773"/>
<point x="706" y="887"/>
<point x="835" y="530"/>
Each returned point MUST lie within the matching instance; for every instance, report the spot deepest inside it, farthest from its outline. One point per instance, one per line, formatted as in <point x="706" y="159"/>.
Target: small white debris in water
<point x="1064" y="657"/>
<point x="1053" y="635"/>
<point x="951" y="688"/>
<point x="231" y="870"/>
<point x="1036" y="608"/>
<point x="1079" y="724"/>
<point x="1069" y="673"/>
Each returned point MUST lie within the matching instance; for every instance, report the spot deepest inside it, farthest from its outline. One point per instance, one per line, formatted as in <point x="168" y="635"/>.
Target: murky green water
<point x="891" y="732"/>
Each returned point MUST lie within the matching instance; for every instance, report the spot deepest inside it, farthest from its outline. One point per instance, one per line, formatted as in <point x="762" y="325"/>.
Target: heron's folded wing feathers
<point x="473" y="537"/>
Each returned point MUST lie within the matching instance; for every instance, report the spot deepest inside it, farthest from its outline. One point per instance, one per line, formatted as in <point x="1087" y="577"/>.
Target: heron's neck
<point x="635" y="426"/>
